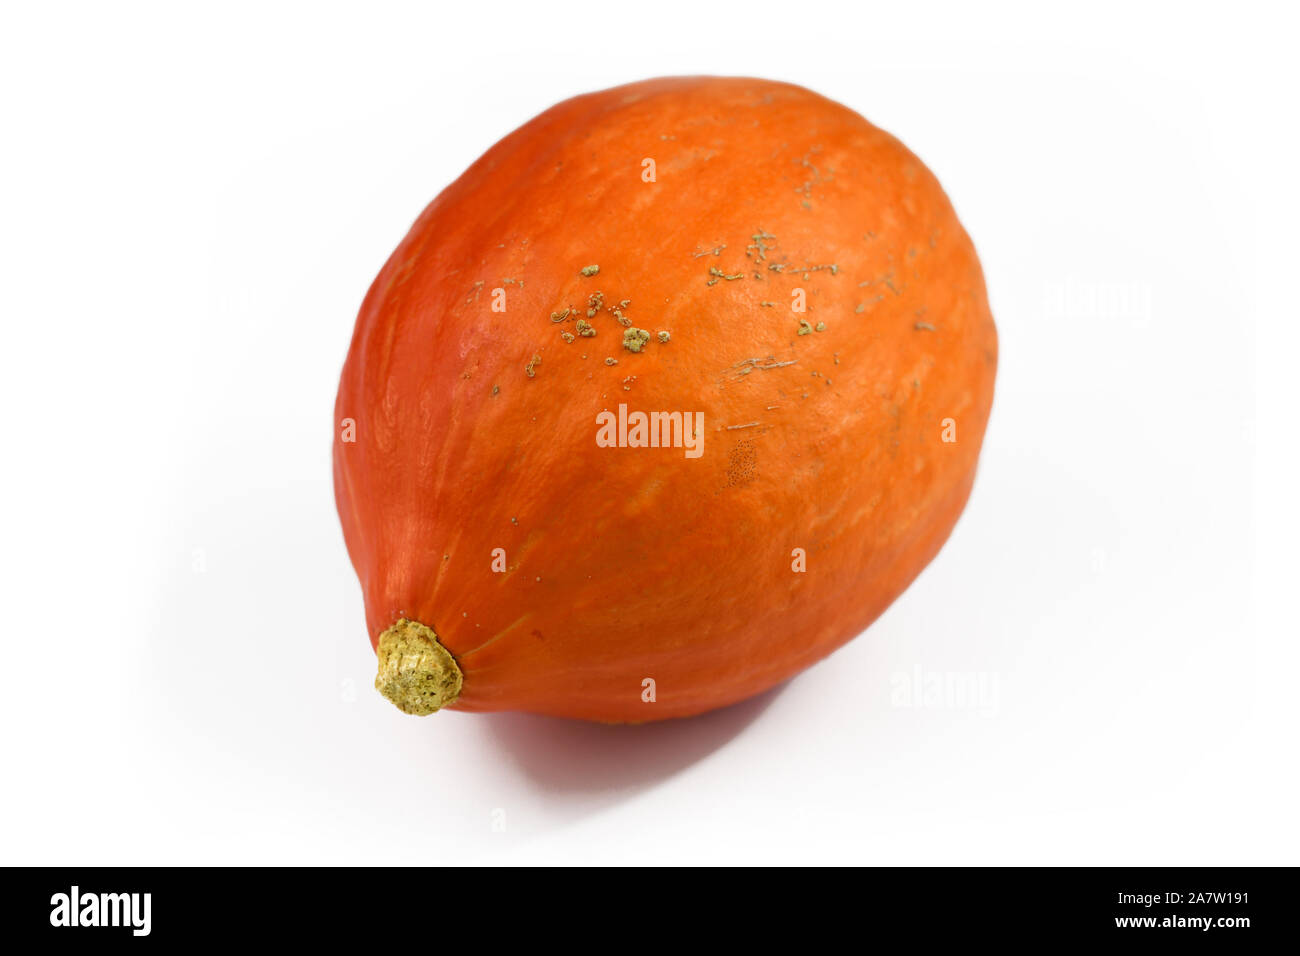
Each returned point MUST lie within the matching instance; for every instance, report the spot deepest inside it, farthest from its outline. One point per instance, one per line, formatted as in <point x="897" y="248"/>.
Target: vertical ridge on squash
<point x="416" y="672"/>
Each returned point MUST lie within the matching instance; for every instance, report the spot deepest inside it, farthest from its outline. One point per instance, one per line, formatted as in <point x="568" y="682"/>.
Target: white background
<point x="194" y="204"/>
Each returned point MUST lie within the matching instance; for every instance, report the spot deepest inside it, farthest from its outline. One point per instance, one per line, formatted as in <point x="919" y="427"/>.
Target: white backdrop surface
<point x="194" y="204"/>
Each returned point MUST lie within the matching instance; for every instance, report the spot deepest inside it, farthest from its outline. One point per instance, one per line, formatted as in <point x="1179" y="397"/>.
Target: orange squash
<point x="668" y="396"/>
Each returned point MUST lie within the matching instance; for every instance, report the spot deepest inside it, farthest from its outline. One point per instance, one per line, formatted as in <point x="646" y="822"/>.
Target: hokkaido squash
<point x="668" y="396"/>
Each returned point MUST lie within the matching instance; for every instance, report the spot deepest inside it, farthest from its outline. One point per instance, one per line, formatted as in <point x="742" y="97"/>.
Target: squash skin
<point x="633" y="563"/>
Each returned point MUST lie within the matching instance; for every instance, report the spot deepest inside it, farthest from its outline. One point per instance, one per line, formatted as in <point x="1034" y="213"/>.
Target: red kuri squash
<point x="668" y="396"/>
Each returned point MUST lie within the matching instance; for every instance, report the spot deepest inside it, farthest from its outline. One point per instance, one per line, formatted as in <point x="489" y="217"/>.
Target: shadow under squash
<point x="576" y="757"/>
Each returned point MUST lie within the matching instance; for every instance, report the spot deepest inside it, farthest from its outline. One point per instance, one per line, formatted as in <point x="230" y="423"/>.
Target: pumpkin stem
<point x="416" y="672"/>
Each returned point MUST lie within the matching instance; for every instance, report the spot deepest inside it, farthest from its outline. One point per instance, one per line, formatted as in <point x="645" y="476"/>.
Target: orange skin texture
<point x="633" y="563"/>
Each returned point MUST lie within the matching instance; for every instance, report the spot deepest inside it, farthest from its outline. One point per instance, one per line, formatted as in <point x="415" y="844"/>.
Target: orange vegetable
<point x="744" y="255"/>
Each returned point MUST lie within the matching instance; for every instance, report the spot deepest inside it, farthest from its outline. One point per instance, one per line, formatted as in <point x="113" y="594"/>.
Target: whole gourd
<point x="668" y="396"/>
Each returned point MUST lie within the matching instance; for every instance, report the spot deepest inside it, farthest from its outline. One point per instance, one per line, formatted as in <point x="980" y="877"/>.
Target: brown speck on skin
<point x="742" y="464"/>
<point x="495" y="390"/>
<point x="585" y="329"/>
<point x="664" y="337"/>
<point x="862" y="307"/>
<point x="567" y="336"/>
<point x="531" y="368"/>
<point x="821" y="327"/>
<point x="611" y="361"/>
<point x="804" y="327"/>
<point x="590" y="270"/>
<point x="923" y="326"/>
<point x="768" y="305"/>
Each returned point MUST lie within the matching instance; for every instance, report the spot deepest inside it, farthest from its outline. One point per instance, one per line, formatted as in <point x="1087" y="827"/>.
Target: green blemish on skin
<point x="768" y="305"/>
<point x="560" y="316"/>
<point x="664" y="337"/>
<point x="531" y="368"/>
<point x="804" y="327"/>
<point x="594" y="303"/>
<point x="567" y="336"/>
<point x="821" y="326"/>
<point x="634" y="339"/>
<point x="758" y="248"/>
<point x="719" y="274"/>
<point x="862" y="307"/>
<point x="495" y="390"/>
<point x="590" y="270"/>
<point x="611" y="361"/>
<point x="585" y="329"/>
<point x="833" y="267"/>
